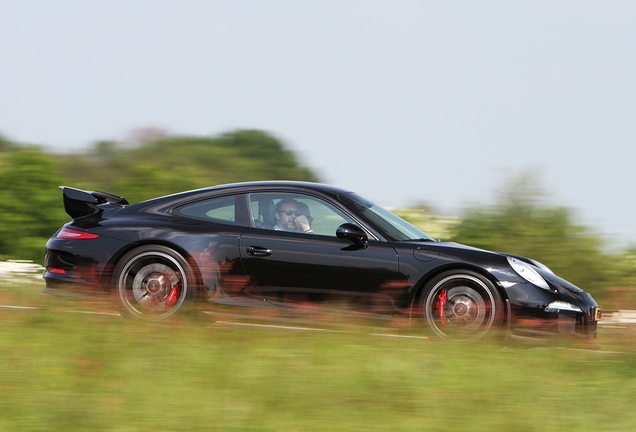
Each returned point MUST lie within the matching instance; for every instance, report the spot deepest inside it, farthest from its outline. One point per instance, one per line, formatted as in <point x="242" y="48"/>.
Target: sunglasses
<point x="291" y="212"/>
<point x="297" y="213"/>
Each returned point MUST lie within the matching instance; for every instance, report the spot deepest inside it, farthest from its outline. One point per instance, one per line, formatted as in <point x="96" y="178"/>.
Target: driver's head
<point x="286" y="212"/>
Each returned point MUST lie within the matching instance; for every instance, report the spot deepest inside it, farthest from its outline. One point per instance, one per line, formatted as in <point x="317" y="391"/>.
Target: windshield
<point x="391" y="226"/>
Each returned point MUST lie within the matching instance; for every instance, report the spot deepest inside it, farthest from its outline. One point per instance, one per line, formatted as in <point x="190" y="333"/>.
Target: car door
<point x="295" y="268"/>
<point x="214" y="227"/>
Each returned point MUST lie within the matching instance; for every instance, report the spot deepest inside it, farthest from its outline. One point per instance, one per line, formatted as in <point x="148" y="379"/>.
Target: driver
<point x="286" y="213"/>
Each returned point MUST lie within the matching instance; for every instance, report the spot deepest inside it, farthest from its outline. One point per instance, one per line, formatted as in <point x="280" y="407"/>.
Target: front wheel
<point x="154" y="282"/>
<point x="461" y="305"/>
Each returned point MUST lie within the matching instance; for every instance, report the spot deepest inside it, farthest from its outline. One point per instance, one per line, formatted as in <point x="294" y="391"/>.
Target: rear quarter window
<point x="227" y="209"/>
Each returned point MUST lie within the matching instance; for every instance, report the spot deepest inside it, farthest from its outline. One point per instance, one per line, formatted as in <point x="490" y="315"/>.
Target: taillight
<point x="68" y="233"/>
<point x="57" y="270"/>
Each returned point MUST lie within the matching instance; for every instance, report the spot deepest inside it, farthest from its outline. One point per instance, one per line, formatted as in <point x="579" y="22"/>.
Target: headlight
<point x="528" y="273"/>
<point x="542" y="266"/>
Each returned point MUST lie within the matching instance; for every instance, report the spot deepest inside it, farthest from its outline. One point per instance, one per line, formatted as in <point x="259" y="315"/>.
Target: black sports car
<point x="302" y="245"/>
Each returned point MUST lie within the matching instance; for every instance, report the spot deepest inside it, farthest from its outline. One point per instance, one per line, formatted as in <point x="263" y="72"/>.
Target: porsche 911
<point x="295" y="246"/>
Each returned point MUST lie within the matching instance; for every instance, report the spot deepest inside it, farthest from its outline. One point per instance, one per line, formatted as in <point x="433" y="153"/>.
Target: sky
<point x="437" y="102"/>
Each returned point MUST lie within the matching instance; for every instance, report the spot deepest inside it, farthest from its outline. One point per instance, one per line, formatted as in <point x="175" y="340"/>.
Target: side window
<point x="295" y="213"/>
<point x="230" y="209"/>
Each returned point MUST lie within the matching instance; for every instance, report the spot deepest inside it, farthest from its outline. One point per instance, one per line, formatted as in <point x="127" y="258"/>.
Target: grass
<point x="70" y="371"/>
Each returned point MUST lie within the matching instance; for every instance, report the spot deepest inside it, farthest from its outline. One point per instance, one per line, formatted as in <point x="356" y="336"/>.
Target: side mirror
<point x="354" y="233"/>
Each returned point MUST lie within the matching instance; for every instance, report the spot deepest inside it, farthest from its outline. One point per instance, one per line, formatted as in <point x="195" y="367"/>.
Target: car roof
<point x="255" y="186"/>
<point x="321" y="187"/>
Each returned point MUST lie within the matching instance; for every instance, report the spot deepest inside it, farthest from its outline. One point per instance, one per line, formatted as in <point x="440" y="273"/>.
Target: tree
<point x="31" y="207"/>
<point x="521" y="223"/>
<point x="5" y="145"/>
<point x="436" y="226"/>
<point x="160" y="164"/>
<point x="30" y="210"/>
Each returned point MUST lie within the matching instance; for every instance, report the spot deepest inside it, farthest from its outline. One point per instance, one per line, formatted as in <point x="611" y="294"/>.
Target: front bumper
<point x="537" y="314"/>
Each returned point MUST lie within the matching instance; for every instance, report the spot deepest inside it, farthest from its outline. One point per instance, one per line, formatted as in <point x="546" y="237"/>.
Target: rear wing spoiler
<point x="78" y="203"/>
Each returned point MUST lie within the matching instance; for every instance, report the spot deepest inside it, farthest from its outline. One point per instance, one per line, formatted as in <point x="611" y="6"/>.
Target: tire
<point x="154" y="283"/>
<point x="461" y="305"/>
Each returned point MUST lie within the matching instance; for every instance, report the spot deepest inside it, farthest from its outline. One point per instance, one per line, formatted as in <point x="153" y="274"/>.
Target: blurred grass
<point x="72" y="371"/>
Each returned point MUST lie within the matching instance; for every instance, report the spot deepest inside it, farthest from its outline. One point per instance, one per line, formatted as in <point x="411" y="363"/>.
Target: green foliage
<point x="436" y="226"/>
<point x="5" y="145"/>
<point x="169" y="164"/>
<point x="30" y="208"/>
<point x="624" y="269"/>
<point x="519" y="223"/>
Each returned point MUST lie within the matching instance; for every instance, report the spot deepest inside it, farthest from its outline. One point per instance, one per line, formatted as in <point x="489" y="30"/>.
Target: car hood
<point x="459" y="246"/>
<point x="424" y="252"/>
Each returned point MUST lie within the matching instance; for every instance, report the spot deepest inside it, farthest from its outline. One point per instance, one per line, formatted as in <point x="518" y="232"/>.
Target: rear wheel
<point x="154" y="282"/>
<point x="461" y="305"/>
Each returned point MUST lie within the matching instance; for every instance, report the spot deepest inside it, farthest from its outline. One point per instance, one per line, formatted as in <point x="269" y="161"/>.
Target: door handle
<point x="258" y="251"/>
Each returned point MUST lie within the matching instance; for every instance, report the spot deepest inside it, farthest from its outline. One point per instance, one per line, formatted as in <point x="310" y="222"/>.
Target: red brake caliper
<point x="174" y="294"/>
<point x="441" y="305"/>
